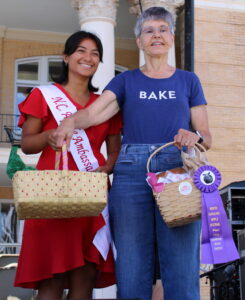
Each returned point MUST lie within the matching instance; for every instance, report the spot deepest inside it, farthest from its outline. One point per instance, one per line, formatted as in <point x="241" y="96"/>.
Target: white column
<point x="99" y="17"/>
<point x="170" y="5"/>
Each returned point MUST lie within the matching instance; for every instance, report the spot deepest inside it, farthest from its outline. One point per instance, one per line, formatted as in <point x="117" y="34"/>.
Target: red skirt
<point x="53" y="246"/>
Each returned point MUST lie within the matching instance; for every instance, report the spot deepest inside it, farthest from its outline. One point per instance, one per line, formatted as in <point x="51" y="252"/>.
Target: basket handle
<point x="64" y="157"/>
<point x="197" y="146"/>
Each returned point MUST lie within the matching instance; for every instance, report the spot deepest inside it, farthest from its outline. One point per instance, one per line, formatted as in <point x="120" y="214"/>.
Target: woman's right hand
<point x="63" y="133"/>
<point x="185" y="138"/>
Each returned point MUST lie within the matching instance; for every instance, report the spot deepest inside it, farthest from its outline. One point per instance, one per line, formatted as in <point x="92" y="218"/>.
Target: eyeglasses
<point x="150" y="31"/>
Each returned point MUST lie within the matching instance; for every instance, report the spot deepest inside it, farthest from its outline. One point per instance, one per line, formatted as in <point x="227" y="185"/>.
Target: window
<point x="34" y="71"/>
<point x="119" y="69"/>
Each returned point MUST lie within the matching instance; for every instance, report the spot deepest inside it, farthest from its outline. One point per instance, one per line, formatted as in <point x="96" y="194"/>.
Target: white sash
<point x="61" y="108"/>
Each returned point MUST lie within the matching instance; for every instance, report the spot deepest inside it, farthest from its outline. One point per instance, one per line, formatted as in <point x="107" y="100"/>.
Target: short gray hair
<point x="154" y="13"/>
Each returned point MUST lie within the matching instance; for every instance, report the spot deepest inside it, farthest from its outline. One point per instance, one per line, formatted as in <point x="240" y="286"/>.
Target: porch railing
<point x="9" y="131"/>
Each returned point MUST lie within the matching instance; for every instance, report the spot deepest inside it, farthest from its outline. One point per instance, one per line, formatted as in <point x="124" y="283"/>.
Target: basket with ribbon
<point x="59" y="193"/>
<point x="194" y="196"/>
<point x="179" y="202"/>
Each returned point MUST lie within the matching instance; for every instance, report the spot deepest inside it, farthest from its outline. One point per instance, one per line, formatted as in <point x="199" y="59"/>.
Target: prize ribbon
<point x="217" y="242"/>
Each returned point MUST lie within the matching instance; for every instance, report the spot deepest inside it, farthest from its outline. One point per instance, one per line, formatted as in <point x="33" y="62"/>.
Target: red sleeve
<point x="115" y="124"/>
<point x="34" y="105"/>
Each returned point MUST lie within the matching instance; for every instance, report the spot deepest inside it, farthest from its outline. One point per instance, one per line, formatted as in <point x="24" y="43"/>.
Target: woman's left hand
<point x="51" y="140"/>
<point x="186" y="138"/>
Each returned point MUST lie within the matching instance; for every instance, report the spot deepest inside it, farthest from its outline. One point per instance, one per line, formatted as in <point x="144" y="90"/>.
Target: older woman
<point x="159" y="104"/>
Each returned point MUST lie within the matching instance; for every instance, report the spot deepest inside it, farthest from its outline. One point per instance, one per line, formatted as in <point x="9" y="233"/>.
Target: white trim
<point x="120" y="68"/>
<point x="205" y="3"/>
<point x="94" y="19"/>
<point x="34" y="58"/>
<point x="35" y="35"/>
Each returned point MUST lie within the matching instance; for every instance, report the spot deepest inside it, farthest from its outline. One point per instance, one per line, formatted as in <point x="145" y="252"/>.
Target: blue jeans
<point x="137" y="227"/>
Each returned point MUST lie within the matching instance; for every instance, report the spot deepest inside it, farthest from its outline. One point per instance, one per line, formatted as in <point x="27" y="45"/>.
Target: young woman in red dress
<point x="58" y="254"/>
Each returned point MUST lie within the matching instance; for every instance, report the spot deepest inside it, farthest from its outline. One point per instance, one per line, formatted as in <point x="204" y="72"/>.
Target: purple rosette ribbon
<point x="217" y="243"/>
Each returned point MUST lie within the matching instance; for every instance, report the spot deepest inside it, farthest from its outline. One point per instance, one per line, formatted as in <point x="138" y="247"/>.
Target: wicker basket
<point x="180" y="202"/>
<point x="59" y="193"/>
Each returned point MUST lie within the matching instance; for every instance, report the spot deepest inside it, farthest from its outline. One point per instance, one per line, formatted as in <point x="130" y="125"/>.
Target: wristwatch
<point x="200" y="137"/>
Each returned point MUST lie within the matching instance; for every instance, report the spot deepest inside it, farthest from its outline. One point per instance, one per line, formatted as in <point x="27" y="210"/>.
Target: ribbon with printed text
<point x="217" y="243"/>
<point x="61" y="108"/>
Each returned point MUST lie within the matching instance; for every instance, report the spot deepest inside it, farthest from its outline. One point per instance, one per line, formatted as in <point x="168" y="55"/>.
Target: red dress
<point x="52" y="246"/>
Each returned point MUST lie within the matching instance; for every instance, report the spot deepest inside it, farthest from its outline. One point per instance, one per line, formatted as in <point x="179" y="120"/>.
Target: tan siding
<point x="213" y="31"/>
<point x="6" y="192"/>
<point x="1" y="72"/>
<point x="221" y="74"/>
<point x="12" y="50"/>
<point x="225" y="53"/>
<point x="228" y="177"/>
<point x="226" y="117"/>
<point x="127" y="58"/>
<point x="220" y="16"/>
<point x="224" y="95"/>
<point x="228" y="160"/>
<point x="220" y="65"/>
<point x="222" y="140"/>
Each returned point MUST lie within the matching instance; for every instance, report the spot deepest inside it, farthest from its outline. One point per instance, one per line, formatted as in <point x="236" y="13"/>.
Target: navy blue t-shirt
<point x="155" y="109"/>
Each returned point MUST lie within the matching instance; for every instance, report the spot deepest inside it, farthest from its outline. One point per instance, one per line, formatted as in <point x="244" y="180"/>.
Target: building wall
<point x="126" y="53"/>
<point x="127" y="58"/>
<point x="220" y="64"/>
<point x="12" y="50"/>
<point x="38" y="44"/>
<point x="1" y="59"/>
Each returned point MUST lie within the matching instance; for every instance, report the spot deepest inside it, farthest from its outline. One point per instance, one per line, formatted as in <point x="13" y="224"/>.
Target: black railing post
<point x="8" y="124"/>
<point x="189" y="35"/>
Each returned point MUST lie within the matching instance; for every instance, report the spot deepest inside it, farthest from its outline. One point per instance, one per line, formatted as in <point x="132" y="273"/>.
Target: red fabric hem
<point x="30" y="277"/>
<point x="108" y="277"/>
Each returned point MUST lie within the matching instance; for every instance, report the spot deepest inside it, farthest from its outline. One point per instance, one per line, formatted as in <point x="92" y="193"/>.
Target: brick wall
<point x="1" y="59"/>
<point x="220" y="64"/>
<point x="12" y="50"/>
<point x="127" y="58"/>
